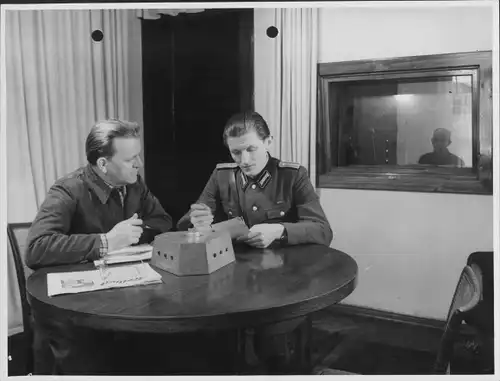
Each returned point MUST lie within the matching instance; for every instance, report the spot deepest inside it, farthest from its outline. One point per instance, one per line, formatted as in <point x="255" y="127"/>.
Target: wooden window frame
<point x="412" y="178"/>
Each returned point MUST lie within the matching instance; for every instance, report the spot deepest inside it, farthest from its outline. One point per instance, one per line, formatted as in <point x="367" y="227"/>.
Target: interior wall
<point x="410" y="247"/>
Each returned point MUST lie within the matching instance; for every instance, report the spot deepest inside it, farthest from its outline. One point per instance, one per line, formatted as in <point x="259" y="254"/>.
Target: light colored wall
<point x="410" y="247"/>
<point x="371" y="32"/>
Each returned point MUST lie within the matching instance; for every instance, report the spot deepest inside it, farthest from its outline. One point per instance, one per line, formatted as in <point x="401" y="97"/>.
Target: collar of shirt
<point x="100" y="187"/>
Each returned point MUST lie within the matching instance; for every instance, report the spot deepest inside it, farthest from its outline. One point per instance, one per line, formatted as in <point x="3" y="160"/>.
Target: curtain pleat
<point x="290" y="98"/>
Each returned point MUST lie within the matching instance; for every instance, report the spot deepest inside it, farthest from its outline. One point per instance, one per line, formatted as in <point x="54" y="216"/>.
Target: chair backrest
<point x="482" y="317"/>
<point x="467" y="295"/>
<point x="17" y="235"/>
<point x="482" y="264"/>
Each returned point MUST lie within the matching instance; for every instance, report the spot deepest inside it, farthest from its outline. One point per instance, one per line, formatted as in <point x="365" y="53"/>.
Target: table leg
<point x="247" y="363"/>
<point x="282" y="348"/>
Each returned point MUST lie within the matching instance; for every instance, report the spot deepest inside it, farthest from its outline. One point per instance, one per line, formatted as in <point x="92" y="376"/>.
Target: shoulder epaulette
<point x="289" y="164"/>
<point x="226" y="165"/>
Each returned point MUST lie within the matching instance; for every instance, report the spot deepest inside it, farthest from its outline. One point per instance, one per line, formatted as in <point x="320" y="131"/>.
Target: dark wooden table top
<point x="262" y="286"/>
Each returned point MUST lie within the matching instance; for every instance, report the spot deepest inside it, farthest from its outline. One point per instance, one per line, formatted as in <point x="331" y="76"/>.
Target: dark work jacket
<point x="282" y="193"/>
<point x="447" y="158"/>
<point x="81" y="206"/>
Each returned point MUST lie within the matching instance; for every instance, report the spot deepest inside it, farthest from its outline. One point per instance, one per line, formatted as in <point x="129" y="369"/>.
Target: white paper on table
<point x="92" y="280"/>
<point x="127" y="254"/>
<point x="123" y="259"/>
<point x="129" y="250"/>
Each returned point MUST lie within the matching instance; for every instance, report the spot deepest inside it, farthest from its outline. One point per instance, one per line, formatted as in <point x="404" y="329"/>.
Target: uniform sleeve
<point x="48" y="242"/>
<point x="210" y="197"/>
<point x="153" y="215"/>
<point x="312" y="225"/>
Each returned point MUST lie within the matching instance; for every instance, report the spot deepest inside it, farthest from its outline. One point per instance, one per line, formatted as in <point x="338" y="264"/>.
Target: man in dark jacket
<point x="441" y="140"/>
<point x="101" y="207"/>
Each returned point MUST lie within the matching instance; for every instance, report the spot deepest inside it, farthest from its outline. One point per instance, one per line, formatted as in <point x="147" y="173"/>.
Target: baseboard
<point x="371" y="313"/>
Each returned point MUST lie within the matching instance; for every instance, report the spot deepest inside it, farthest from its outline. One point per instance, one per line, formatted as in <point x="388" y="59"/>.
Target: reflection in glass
<point x="405" y="122"/>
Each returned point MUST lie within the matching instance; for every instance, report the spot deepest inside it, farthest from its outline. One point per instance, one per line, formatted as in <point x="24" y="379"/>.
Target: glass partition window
<point x="396" y="122"/>
<point x="406" y="125"/>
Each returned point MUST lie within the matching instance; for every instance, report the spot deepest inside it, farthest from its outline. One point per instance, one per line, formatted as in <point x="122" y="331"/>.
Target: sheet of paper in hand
<point x="127" y="254"/>
<point x="93" y="280"/>
<point x="235" y="226"/>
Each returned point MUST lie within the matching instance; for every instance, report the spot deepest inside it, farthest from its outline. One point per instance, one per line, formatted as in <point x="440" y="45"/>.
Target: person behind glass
<point x="96" y="209"/>
<point x="441" y="139"/>
<point x="275" y="198"/>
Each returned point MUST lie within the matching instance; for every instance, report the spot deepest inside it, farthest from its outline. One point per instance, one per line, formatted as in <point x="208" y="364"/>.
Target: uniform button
<point x="282" y="213"/>
<point x="254" y="208"/>
<point x="253" y="186"/>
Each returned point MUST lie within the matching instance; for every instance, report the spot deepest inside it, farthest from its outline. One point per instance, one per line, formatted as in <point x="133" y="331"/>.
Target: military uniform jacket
<point x="281" y="193"/>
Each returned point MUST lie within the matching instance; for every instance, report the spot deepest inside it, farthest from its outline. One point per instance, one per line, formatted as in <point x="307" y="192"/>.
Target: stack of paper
<point x="127" y="254"/>
<point x="104" y="278"/>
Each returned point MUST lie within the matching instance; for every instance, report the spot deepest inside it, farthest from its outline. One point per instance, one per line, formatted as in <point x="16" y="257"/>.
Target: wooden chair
<point x="17" y="235"/>
<point x="466" y="297"/>
<point x="481" y="317"/>
<point x="39" y="356"/>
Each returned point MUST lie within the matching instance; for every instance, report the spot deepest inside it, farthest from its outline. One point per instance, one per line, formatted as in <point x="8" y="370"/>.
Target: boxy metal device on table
<point x="192" y="253"/>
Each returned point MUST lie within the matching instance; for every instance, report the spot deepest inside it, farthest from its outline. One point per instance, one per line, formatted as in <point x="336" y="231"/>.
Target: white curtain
<point x="59" y="83"/>
<point x="288" y="102"/>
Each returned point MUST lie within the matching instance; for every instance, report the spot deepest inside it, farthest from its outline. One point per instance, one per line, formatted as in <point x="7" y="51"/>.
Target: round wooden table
<point x="261" y="288"/>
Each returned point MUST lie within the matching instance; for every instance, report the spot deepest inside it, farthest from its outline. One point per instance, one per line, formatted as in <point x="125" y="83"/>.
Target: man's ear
<point x="101" y="164"/>
<point x="269" y="141"/>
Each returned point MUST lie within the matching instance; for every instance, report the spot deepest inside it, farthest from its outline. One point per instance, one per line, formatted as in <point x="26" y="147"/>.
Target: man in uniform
<point x="275" y="198"/>
<point x="277" y="201"/>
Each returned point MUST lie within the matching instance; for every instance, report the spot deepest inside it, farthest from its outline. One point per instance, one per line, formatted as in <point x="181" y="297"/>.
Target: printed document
<point x="103" y="278"/>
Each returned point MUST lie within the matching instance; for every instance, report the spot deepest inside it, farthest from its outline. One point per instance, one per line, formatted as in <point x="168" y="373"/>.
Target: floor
<point x="359" y="345"/>
<point x="369" y="346"/>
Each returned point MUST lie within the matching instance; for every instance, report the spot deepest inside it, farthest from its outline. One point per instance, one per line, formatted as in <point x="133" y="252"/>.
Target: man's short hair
<point x="442" y="132"/>
<point x="99" y="142"/>
<point x="240" y="124"/>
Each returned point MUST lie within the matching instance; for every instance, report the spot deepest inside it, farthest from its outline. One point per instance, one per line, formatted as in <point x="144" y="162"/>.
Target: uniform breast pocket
<point x="278" y="212"/>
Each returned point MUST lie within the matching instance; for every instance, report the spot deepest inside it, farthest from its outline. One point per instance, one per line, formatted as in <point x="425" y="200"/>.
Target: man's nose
<point x="245" y="157"/>
<point x="139" y="163"/>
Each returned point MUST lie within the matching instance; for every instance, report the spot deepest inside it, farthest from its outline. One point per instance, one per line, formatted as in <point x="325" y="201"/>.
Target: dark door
<point x="197" y="72"/>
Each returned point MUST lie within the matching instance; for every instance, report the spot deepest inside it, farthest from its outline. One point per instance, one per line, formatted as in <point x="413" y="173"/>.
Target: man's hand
<point x="262" y="235"/>
<point x="124" y="233"/>
<point x="201" y="216"/>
